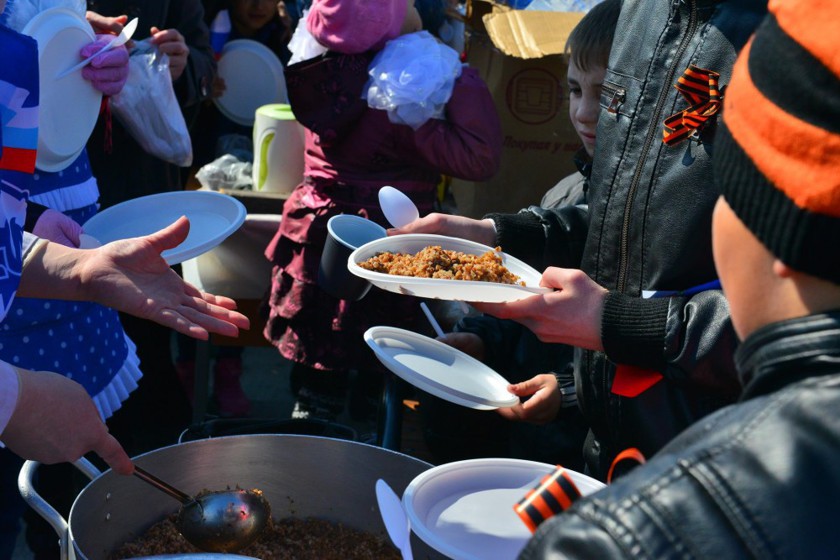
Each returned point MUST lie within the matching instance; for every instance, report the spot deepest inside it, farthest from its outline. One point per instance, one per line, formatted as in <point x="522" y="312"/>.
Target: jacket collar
<point x="583" y="162"/>
<point x="789" y="351"/>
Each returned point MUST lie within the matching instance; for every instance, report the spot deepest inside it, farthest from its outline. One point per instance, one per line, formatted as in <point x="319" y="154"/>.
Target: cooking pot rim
<point x="397" y="462"/>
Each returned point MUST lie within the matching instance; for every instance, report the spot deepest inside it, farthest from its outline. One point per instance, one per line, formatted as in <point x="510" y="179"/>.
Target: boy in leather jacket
<point x="646" y="368"/>
<point x="757" y="479"/>
<point x="541" y="431"/>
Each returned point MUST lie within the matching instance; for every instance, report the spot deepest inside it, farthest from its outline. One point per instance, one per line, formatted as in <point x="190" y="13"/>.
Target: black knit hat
<point x="777" y="152"/>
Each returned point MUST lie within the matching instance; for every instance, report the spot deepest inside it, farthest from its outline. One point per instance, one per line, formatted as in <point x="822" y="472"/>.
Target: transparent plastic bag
<point x="227" y="172"/>
<point x="412" y="79"/>
<point x="148" y="109"/>
<point x="303" y="45"/>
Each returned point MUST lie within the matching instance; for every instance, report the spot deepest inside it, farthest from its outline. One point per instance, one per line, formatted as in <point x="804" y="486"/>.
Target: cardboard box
<point x="519" y="53"/>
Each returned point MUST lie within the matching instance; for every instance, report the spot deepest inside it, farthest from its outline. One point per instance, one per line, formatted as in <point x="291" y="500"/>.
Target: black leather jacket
<point x="758" y="479"/>
<point x="648" y="227"/>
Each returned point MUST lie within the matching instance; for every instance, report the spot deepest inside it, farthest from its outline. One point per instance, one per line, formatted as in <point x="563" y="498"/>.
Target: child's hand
<point x="468" y="343"/>
<point x="544" y="402"/>
<point x="218" y="88"/>
<point x="569" y="315"/>
<point x="172" y="43"/>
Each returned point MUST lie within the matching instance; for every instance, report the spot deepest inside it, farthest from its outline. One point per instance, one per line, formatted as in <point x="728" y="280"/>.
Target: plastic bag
<point x="412" y="79"/>
<point x="237" y="145"/>
<point x="148" y="109"/>
<point x="226" y="172"/>
<point x="303" y="45"/>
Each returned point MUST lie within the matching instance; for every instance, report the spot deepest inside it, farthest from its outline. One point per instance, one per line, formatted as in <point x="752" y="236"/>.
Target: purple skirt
<point x="305" y="323"/>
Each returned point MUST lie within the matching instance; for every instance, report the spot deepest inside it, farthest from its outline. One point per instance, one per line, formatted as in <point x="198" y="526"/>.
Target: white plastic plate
<point x="439" y="369"/>
<point x="438" y="288"/>
<point x="68" y="106"/>
<point x="464" y="509"/>
<point x="253" y="77"/>
<point x="213" y="217"/>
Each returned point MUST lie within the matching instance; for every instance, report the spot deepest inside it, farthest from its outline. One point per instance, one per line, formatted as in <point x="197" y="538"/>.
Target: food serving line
<point x="462" y="510"/>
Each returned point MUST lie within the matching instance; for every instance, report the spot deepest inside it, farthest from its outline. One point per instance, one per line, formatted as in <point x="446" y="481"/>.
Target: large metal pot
<point x="301" y="475"/>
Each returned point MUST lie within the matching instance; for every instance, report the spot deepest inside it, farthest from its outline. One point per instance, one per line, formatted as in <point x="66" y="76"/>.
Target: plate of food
<point x="441" y="267"/>
<point x="439" y="369"/>
<point x="213" y="218"/>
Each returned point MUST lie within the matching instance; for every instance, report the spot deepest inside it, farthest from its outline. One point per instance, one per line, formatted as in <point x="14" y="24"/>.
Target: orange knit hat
<point x="777" y="153"/>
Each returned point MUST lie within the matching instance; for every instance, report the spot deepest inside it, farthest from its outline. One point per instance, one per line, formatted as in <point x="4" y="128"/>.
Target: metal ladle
<point x="221" y="521"/>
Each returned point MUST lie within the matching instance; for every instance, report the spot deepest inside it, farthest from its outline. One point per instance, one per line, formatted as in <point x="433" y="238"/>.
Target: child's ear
<point x="782" y="270"/>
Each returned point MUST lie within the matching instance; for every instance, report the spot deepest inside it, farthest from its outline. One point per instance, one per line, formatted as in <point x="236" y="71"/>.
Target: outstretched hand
<point x="55" y="421"/>
<point x="130" y="275"/>
<point x="544" y="402"/>
<point x="480" y="231"/>
<point x="569" y="315"/>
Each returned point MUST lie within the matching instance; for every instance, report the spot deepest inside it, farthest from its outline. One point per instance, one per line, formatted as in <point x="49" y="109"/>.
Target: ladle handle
<point x="161" y="485"/>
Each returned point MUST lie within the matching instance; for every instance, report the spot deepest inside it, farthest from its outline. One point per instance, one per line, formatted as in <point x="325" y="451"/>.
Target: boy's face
<point x="584" y="102"/>
<point x="412" y="22"/>
<point x="250" y="16"/>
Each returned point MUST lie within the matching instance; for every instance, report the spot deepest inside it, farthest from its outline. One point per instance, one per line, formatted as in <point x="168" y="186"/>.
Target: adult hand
<point x="468" y="343"/>
<point x="108" y="71"/>
<point x="569" y="315"/>
<point x="131" y="276"/>
<point x="480" y="231"/>
<point x="109" y="25"/>
<point x="56" y="421"/>
<point x="55" y="226"/>
<point x="543" y="404"/>
<point x="172" y="43"/>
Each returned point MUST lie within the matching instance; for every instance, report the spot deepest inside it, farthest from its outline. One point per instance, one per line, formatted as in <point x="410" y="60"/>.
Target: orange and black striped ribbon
<point x="700" y="89"/>
<point x="555" y="493"/>
<point x="629" y="454"/>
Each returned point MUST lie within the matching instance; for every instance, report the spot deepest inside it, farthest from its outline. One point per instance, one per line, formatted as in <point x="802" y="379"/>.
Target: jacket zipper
<point x="652" y="132"/>
<point x="617" y="96"/>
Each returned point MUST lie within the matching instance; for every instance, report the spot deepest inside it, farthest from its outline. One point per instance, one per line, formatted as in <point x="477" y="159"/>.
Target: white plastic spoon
<point x="117" y="41"/>
<point x="393" y="515"/>
<point x="399" y="210"/>
<point x="431" y="318"/>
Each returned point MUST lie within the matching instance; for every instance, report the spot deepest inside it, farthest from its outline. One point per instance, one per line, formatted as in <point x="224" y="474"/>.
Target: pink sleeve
<point x="9" y="388"/>
<point x="468" y="143"/>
